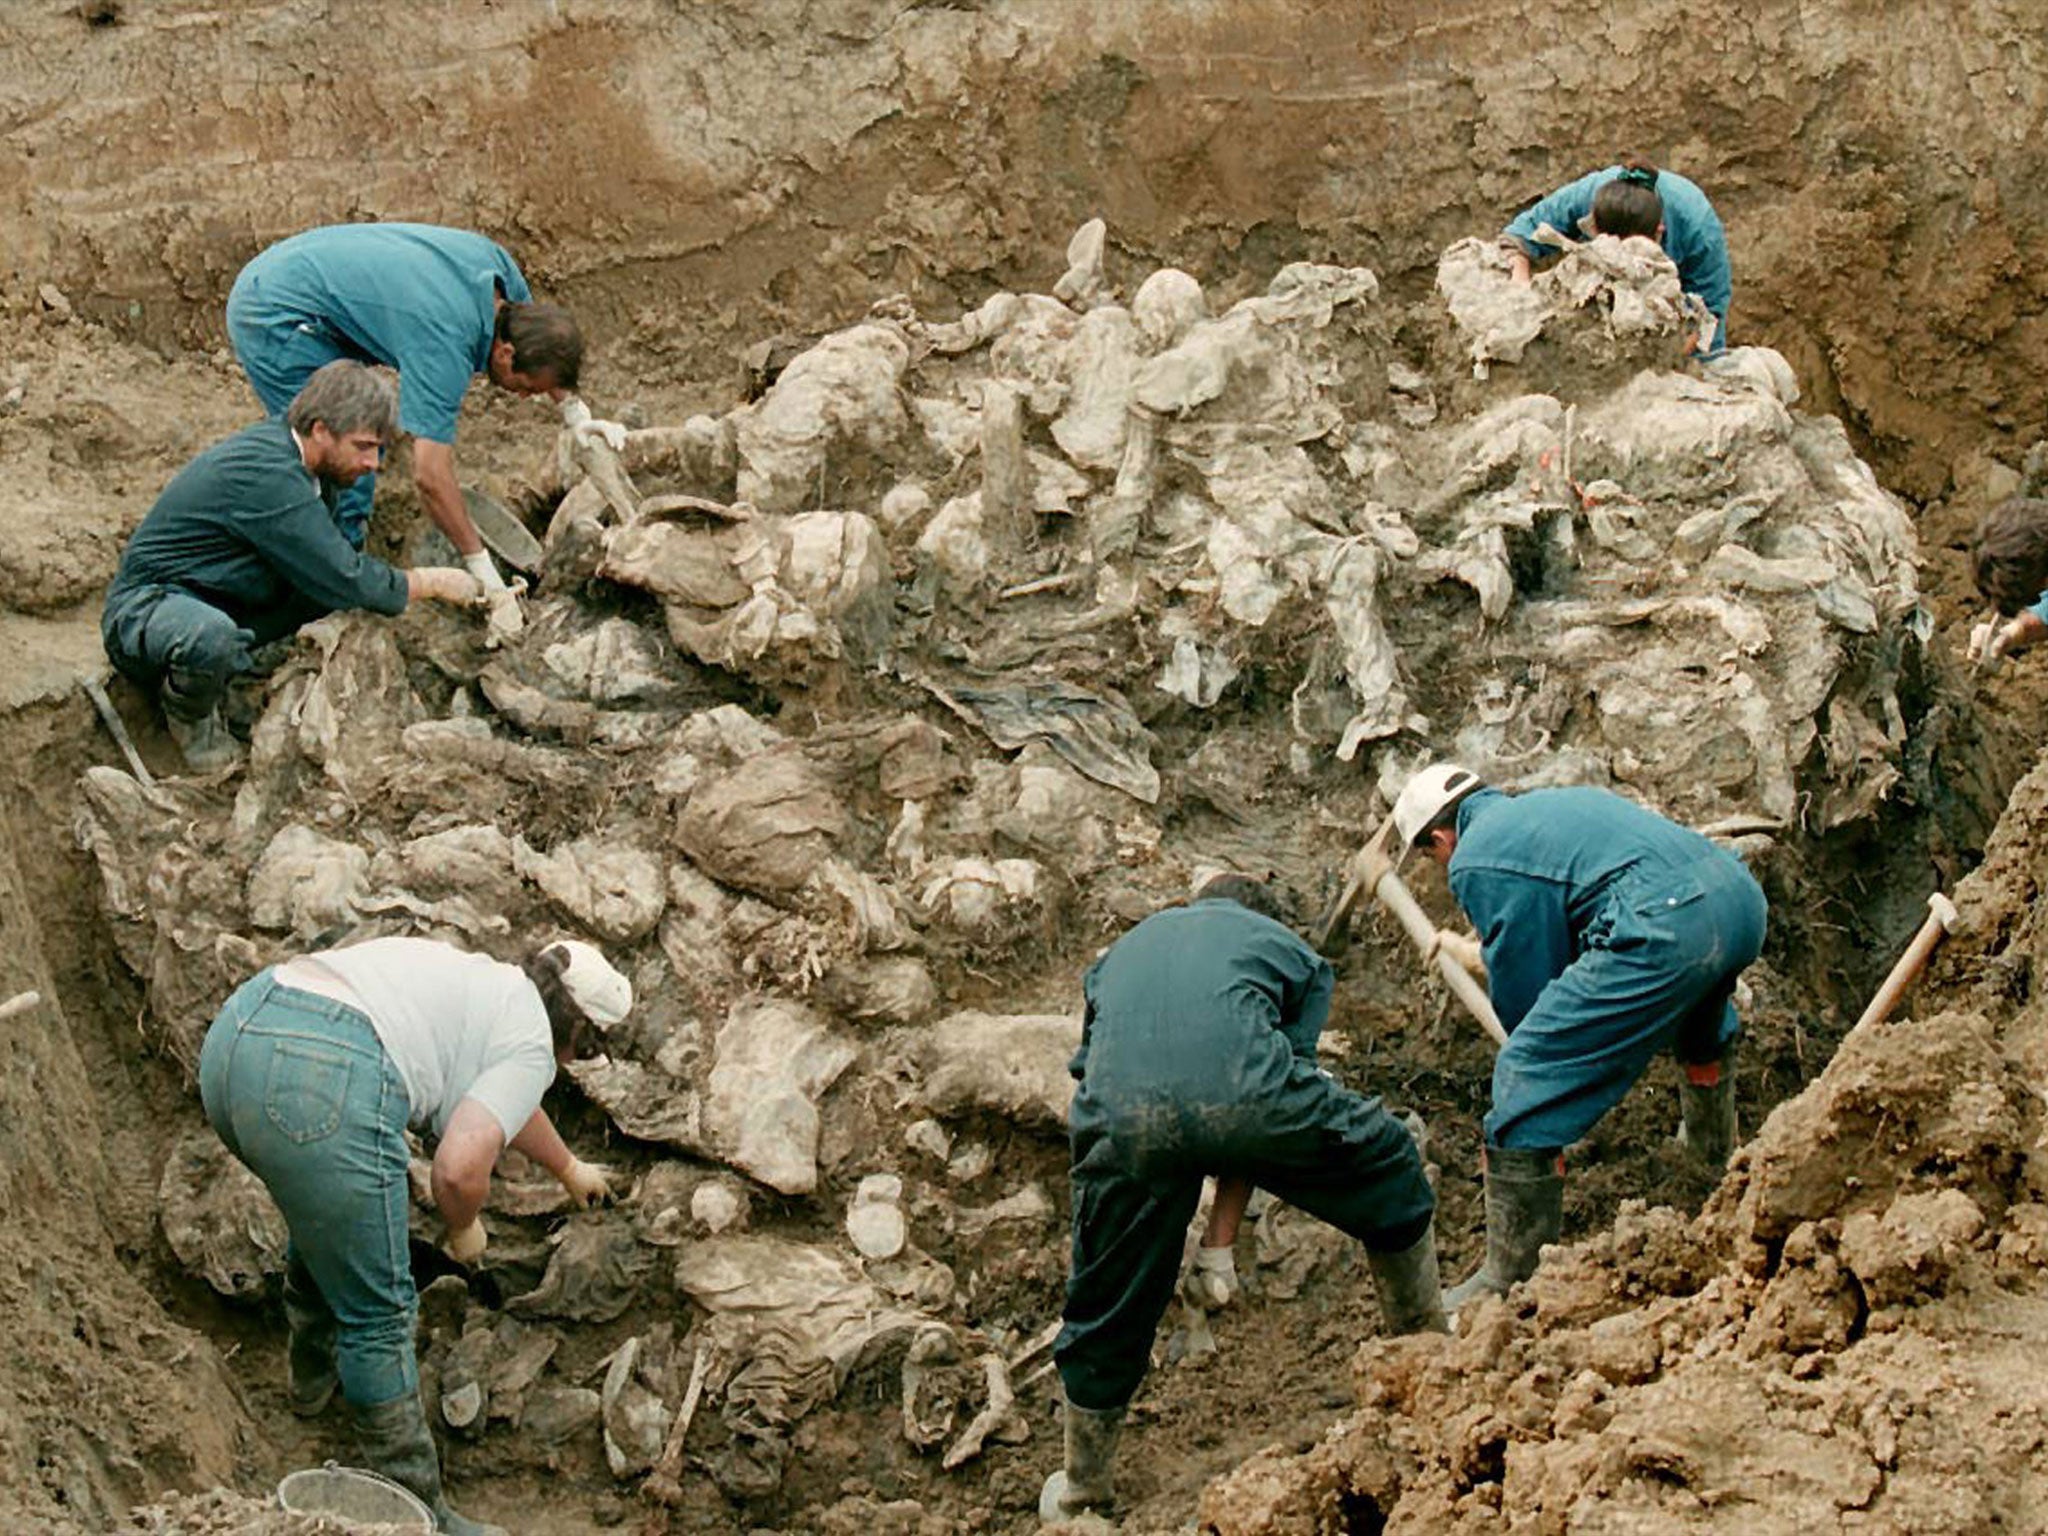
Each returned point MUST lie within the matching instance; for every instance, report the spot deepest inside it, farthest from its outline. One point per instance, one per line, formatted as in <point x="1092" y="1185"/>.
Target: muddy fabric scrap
<point x="792" y="1321"/>
<point x="774" y="1059"/>
<point x="218" y="1218"/>
<point x="1096" y="732"/>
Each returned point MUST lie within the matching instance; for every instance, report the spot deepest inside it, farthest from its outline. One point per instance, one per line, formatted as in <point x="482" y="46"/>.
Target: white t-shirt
<point x="456" y="1025"/>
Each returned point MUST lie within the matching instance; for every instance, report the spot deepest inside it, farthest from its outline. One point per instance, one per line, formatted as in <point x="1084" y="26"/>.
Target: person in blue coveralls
<point x="1607" y="934"/>
<point x="242" y="548"/>
<point x="1636" y="198"/>
<point x="2009" y="563"/>
<point x="439" y="305"/>
<point x="1198" y="1057"/>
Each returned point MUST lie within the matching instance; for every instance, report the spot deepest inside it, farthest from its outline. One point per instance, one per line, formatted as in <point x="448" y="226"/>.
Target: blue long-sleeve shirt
<point x="1693" y="237"/>
<point x="1535" y="872"/>
<point x="415" y="297"/>
<point x="248" y="528"/>
<point x="1207" y="1003"/>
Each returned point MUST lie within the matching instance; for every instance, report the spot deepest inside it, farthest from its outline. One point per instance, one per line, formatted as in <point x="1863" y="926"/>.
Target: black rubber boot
<point x="1524" y="1209"/>
<point x="397" y="1443"/>
<point x="1411" y="1294"/>
<point x="1082" y="1487"/>
<point x="196" y="726"/>
<point x="1706" y="1108"/>
<point x="309" y="1360"/>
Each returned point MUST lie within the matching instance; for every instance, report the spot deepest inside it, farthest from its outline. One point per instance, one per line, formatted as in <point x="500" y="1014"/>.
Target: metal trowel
<point x="503" y="534"/>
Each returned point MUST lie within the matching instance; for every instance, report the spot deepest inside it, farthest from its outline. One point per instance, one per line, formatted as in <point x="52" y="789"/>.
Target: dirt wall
<point x="697" y="176"/>
<point x="102" y="1397"/>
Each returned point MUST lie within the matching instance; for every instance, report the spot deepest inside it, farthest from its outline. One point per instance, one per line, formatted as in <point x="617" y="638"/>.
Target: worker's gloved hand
<point x="465" y="1245"/>
<point x="1989" y="642"/>
<point x="587" y="1183"/>
<point x="485" y="570"/>
<point x="504" y="618"/>
<point x="584" y="427"/>
<point x="445" y="584"/>
<point x="1464" y="948"/>
<point x="1369" y="864"/>
<point x="1211" y="1281"/>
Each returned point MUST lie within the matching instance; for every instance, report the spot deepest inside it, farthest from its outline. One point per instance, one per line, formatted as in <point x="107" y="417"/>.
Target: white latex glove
<point x="1464" y="948"/>
<point x="504" y="617"/>
<point x="584" y="427"/>
<point x="485" y="570"/>
<point x="445" y="584"/>
<point x="1989" y="642"/>
<point x="465" y="1245"/>
<point x="587" y="1183"/>
<point x="1211" y="1280"/>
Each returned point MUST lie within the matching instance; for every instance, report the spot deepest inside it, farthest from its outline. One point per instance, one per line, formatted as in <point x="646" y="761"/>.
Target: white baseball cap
<point x="593" y="983"/>
<point x="1424" y="797"/>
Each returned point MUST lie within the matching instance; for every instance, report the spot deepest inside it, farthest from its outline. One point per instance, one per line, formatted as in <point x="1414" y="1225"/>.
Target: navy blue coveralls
<point x="1198" y="1056"/>
<point x="1610" y="933"/>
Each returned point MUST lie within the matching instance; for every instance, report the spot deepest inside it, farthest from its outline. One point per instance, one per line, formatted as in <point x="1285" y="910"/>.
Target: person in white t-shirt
<point x="310" y="1075"/>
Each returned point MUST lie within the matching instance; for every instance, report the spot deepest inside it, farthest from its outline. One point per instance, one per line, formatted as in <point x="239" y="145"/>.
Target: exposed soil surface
<point x="1841" y="1337"/>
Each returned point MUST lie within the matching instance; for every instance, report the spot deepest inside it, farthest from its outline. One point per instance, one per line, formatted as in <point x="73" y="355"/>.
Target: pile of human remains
<point x="852" y="722"/>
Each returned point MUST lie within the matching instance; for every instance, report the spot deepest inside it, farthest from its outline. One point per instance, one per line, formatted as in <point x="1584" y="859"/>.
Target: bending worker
<point x="242" y="548"/>
<point x="2009" y="563"/>
<point x="1198" y="1056"/>
<point x="440" y="306"/>
<point x="310" y="1075"/>
<point x="1635" y="198"/>
<point x="1608" y="934"/>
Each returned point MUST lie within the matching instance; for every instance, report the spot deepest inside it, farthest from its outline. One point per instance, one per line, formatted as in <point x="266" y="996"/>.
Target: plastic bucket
<point x="349" y="1493"/>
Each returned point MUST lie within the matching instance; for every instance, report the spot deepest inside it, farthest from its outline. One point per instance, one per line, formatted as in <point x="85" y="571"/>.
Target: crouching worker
<point x="1635" y="198"/>
<point x="310" y="1075"/>
<point x="1608" y="934"/>
<point x="2009" y="562"/>
<point x="242" y="548"/>
<point x="1198" y="1057"/>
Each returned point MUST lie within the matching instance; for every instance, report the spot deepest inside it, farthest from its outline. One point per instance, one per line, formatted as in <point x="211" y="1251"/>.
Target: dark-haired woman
<point x="310" y="1075"/>
<point x="1635" y="198"/>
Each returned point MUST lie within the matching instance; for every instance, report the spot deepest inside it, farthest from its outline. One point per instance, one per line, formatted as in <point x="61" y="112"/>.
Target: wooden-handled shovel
<point x="1940" y="922"/>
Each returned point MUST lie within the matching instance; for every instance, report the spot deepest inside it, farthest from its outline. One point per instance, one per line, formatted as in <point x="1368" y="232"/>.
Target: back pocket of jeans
<point x="305" y="1090"/>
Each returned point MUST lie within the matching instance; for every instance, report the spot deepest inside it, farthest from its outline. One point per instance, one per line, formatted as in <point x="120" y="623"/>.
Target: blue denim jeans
<point x="298" y="1087"/>
<point x="279" y="358"/>
<point x="160" y="634"/>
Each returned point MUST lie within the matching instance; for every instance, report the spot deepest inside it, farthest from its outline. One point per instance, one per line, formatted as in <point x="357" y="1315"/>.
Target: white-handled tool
<point x="1940" y="922"/>
<point x="1334" y="938"/>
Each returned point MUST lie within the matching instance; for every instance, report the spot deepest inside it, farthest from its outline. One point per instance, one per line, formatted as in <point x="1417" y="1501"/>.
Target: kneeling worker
<point x="242" y="548"/>
<point x="1608" y="934"/>
<point x="310" y="1075"/>
<point x="1198" y="1057"/>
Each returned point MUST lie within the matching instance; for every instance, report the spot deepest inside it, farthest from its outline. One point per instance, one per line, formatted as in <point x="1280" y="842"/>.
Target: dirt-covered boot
<point x="1524" y="1209"/>
<point x="397" y="1443"/>
<point x="202" y="736"/>
<point x="1082" y="1486"/>
<point x="1411" y="1295"/>
<point x="309" y="1359"/>
<point x="1706" y="1108"/>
